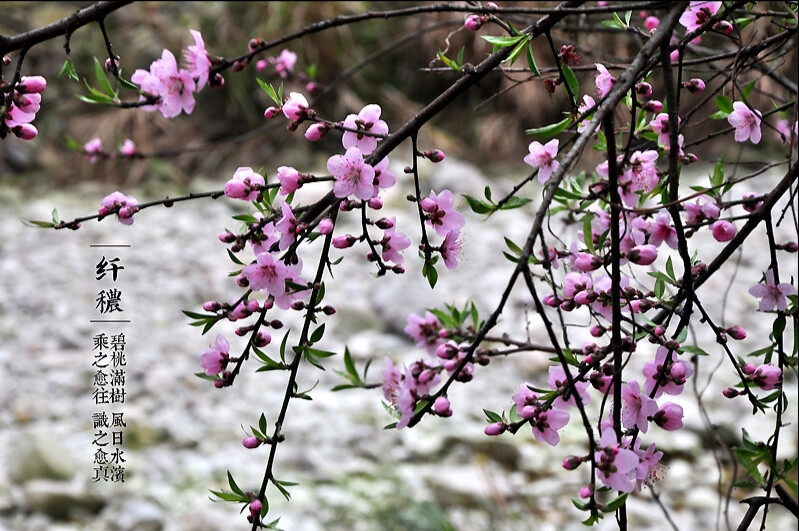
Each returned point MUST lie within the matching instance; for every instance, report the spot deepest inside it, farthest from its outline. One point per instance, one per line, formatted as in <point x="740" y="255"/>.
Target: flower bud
<point x="441" y="407"/>
<point x="651" y="23"/>
<point x="473" y="22"/>
<point x="256" y="506"/>
<point x="736" y="332"/>
<point x="643" y="254"/>
<point x="262" y="339"/>
<point x="211" y="306"/>
<point x="251" y="442"/>
<point x="316" y="131"/>
<point x="26" y="131"/>
<point x="723" y="230"/>
<point x="261" y="65"/>
<point x="255" y="43"/>
<point x="326" y="226"/>
<point x="375" y="203"/>
<point x="343" y="242"/>
<point x="585" y="491"/>
<point x="748" y="368"/>
<point x="435" y="155"/>
<point x="643" y="89"/>
<point x="217" y="81"/>
<point x="495" y="428"/>
<point x="597" y="331"/>
<point x="572" y="462"/>
<point x="652" y="106"/>
<point x="271" y="112"/>
<point x="34" y="84"/>
<point x="723" y="26"/>
<point x="695" y="85"/>
<point x="730" y="392"/>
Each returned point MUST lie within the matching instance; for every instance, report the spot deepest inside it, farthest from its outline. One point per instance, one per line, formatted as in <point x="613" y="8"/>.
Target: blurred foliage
<point x="227" y="128"/>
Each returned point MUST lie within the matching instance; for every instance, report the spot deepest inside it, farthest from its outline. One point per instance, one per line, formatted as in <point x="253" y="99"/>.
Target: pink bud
<point x="736" y="332"/>
<point x="26" y="131"/>
<point x="572" y="462"/>
<point x="551" y="301"/>
<point x="659" y="331"/>
<point x="210" y="306"/>
<point x="262" y="339"/>
<point x="723" y="230"/>
<point x="751" y="203"/>
<point x="585" y="492"/>
<point x="251" y="442"/>
<point x="643" y="254"/>
<point x="326" y="226"/>
<point x="435" y="155"/>
<point x="597" y="331"/>
<point x="651" y="23"/>
<point x="261" y="65"/>
<point x="256" y="506"/>
<point x="652" y="106"/>
<point x="495" y="428"/>
<point x="441" y="407"/>
<point x="271" y="112"/>
<point x="730" y="392"/>
<point x="748" y="368"/>
<point x="34" y="84"/>
<point x="723" y="26"/>
<point x="375" y="203"/>
<point x="428" y="205"/>
<point x="695" y="85"/>
<point x="473" y="22"/>
<point x="316" y="131"/>
<point x="342" y="242"/>
<point x="643" y="89"/>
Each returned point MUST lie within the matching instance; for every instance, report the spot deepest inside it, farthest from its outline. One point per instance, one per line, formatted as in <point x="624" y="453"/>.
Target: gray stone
<point x="60" y="500"/>
<point x="138" y="515"/>
<point x="40" y="455"/>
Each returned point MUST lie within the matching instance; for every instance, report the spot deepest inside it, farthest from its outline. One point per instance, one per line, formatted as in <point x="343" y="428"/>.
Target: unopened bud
<point x="730" y="392"/>
<point x="495" y="428"/>
<point x="572" y="462"/>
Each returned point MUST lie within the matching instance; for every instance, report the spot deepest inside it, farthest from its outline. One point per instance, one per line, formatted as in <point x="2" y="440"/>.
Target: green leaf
<point x="492" y="416"/>
<point x="95" y="98"/>
<point x="693" y="350"/>
<point x="617" y="20"/>
<point x="318" y="334"/>
<point x="262" y="423"/>
<point x="746" y="90"/>
<point x="660" y="288"/>
<point x="37" y="223"/>
<point x="627" y="16"/>
<point x="69" y="70"/>
<point x="234" y="258"/>
<point x="587" y="233"/>
<point x="724" y="104"/>
<point x="517" y="51"/>
<point x="548" y="131"/>
<point x="777" y="329"/>
<point x="127" y="84"/>
<point x="513" y="247"/>
<point x="478" y="206"/>
<point x="430" y="273"/>
<point x="233" y="485"/>
<point x="449" y="62"/>
<point x="613" y="505"/>
<point x="572" y="83"/>
<point x="102" y="79"/>
<point x="270" y="91"/>
<point x="503" y="42"/>
<point x="514" y="202"/>
<point x="612" y="23"/>
<point x="229" y="496"/>
<point x="670" y="269"/>
<point x="531" y="61"/>
<point x="349" y="364"/>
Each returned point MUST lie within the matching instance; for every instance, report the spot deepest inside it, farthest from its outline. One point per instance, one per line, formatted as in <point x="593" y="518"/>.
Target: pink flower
<point x="245" y="184"/>
<point x="588" y="102"/>
<point x="451" y="249"/>
<point x="701" y="209"/>
<point x="214" y="360"/>
<point x="651" y="23"/>
<point x="296" y="107"/>
<point x="368" y="120"/>
<point x="644" y="173"/>
<point x="746" y="122"/>
<point x="660" y="125"/>
<point x="669" y="417"/>
<point x="391" y="376"/>
<point x="353" y="176"/>
<point x="267" y="274"/>
<point x="425" y="331"/>
<point x="648" y="468"/>
<point x="662" y="231"/>
<point x="784" y="133"/>
<point x="723" y="230"/>
<point x="604" y="81"/>
<point x="174" y="88"/>
<point x="198" y="63"/>
<point x="290" y="179"/>
<point x="773" y="297"/>
<point x="284" y="64"/>
<point x="93" y="149"/>
<point x="667" y="372"/>
<point x="440" y="212"/>
<point x="767" y="376"/>
<point x="546" y="423"/>
<point x="615" y="466"/>
<point x="287" y="226"/>
<point x="637" y="408"/>
<point x="751" y="202"/>
<point x="126" y="204"/>
<point x="393" y="242"/>
<point x="384" y="178"/>
<point x="698" y="13"/>
<point x="543" y="158"/>
<point x="128" y="148"/>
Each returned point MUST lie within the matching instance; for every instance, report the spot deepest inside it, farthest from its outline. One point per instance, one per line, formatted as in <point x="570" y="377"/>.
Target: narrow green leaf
<point x="517" y="51"/>
<point x="478" y="206"/>
<point x="531" y="61"/>
<point x="503" y="42"/>
<point x="587" y="233"/>
<point x="317" y="334"/>
<point x="548" y="131"/>
<point x="69" y="70"/>
<point x="37" y="223"/>
<point x="618" y="20"/>
<point x="515" y="202"/>
<point x="572" y="83"/>
<point x="492" y="416"/>
<point x="449" y="62"/>
<point x="102" y="79"/>
<point x="670" y="269"/>
<point x="233" y="485"/>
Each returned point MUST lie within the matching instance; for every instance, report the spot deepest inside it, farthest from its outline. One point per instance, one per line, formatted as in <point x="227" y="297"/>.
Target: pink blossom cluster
<point x="174" y="88"/>
<point x="93" y="150"/>
<point x="283" y="63"/>
<point x="25" y="103"/>
<point x="124" y="206"/>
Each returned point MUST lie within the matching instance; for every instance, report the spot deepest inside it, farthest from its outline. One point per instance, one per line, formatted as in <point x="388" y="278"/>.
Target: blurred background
<point x="182" y="435"/>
